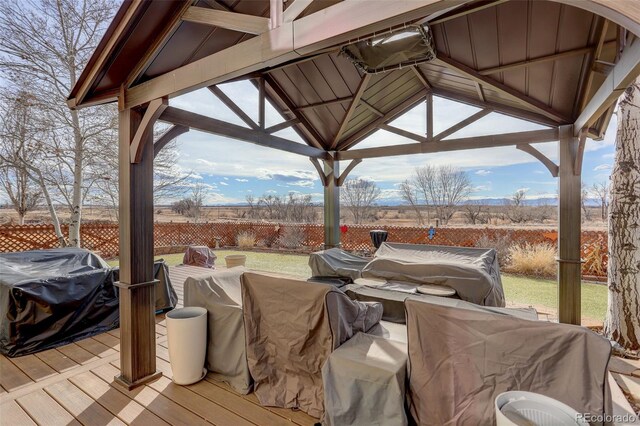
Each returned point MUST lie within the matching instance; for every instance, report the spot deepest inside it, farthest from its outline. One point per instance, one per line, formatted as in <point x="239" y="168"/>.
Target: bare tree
<point x="622" y="323"/>
<point x="601" y="192"/>
<point x="475" y="212"/>
<point x="294" y="208"/>
<point x="515" y="209"/>
<point x="443" y="187"/>
<point x="359" y="196"/>
<point x="23" y="194"/>
<point x="410" y="194"/>
<point x="584" y="202"/>
<point x="45" y="44"/>
<point x="198" y="194"/>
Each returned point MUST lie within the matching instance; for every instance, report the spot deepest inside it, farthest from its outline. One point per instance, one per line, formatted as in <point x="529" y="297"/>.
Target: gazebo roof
<point x="541" y="61"/>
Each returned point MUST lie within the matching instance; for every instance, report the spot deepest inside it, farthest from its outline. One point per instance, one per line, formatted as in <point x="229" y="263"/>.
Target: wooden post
<point x="331" y="205"/>
<point x="569" y="229"/>
<point x="137" y="284"/>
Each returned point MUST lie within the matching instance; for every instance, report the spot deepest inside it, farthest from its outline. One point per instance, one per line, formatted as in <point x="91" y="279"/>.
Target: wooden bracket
<point x="324" y="178"/>
<point x="154" y="109"/>
<point x="550" y="165"/>
<point x="167" y="137"/>
<point x="579" y="155"/>
<point x="345" y="173"/>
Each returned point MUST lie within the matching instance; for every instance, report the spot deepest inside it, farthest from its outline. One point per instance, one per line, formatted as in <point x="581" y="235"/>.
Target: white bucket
<point x="187" y="339"/>
<point x="518" y="408"/>
<point x="233" y="260"/>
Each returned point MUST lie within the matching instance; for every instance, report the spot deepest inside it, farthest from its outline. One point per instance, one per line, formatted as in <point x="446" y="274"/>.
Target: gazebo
<point x="340" y="70"/>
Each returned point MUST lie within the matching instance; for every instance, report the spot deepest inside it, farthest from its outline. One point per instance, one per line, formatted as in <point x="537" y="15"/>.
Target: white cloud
<point x="224" y="183"/>
<point x="523" y="189"/>
<point x="602" y="167"/>
<point x="480" y="188"/>
<point x="483" y="172"/>
<point x="242" y="180"/>
<point x="303" y="178"/>
<point x="225" y="178"/>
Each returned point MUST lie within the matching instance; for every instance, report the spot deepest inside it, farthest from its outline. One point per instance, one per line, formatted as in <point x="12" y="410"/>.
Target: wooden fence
<point x="172" y="237"/>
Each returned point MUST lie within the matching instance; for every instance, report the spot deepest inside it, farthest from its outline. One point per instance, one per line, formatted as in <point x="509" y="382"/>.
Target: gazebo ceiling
<point x="537" y="60"/>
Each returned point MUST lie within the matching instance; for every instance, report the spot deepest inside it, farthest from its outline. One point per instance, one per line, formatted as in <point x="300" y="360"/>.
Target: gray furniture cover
<point x="473" y="272"/>
<point x="461" y="356"/>
<point x="336" y="263"/>
<point x="364" y="382"/>
<point x="219" y="293"/>
<point x="291" y="328"/>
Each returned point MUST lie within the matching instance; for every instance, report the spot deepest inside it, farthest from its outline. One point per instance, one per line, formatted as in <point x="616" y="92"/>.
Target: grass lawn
<point x="540" y="293"/>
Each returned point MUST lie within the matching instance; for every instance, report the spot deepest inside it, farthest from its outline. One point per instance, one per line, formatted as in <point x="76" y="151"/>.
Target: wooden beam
<point x="153" y="111"/>
<point x="405" y="105"/>
<point x="535" y="61"/>
<point x="429" y="107"/>
<point x="233" y="131"/>
<point x="403" y="133"/>
<point x="345" y="173"/>
<point x="505" y="90"/>
<point x="480" y="92"/>
<point x="283" y="125"/>
<point x="371" y="108"/>
<point x="550" y="165"/>
<point x="331" y="204"/>
<point x="623" y="74"/>
<point x="275" y="13"/>
<point x="233" y="106"/>
<point x="508" y="139"/>
<point x="307" y="131"/>
<point x="249" y="24"/>
<point x="461" y="125"/>
<point x="421" y="77"/>
<point x="465" y="12"/>
<point x="352" y="107"/>
<point x="325" y="103"/>
<point x="295" y="9"/>
<point x="261" y="104"/>
<point x="168" y="136"/>
<point x="503" y="109"/>
<point x="569" y="223"/>
<point x="582" y="143"/>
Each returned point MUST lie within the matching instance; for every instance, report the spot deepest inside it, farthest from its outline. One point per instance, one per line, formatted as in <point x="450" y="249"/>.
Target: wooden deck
<point x="73" y="384"/>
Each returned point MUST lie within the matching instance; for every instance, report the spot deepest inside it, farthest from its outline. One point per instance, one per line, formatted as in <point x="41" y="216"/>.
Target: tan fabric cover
<point x="364" y="382"/>
<point x="201" y="256"/>
<point x="473" y="273"/>
<point x="461" y="358"/>
<point x="219" y="293"/>
<point x="291" y="328"/>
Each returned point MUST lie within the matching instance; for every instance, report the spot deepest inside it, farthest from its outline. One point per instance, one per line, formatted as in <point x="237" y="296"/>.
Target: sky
<point x="231" y="169"/>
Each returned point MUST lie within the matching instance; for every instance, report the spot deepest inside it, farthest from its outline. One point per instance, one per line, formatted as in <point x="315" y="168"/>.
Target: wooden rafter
<point x="582" y="143"/>
<point x="421" y="77"/>
<point x="325" y="103"/>
<point x="281" y="126"/>
<point x="480" y="91"/>
<point x="403" y="133"/>
<point x="535" y="61"/>
<point x="168" y="136"/>
<point x="457" y="14"/>
<point x="625" y="71"/>
<point x="261" y="104"/>
<point x="405" y="105"/>
<point x="275" y="13"/>
<point x="233" y="106"/>
<point x="249" y="24"/>
<point x="464" y="123"/>
<point x="321" y="172"/>
<point x="350" y="110"/>
<point x="295" y="9"/>
<point x="550" y="165"/>
<point x="310" y="134"/>
<point x="505" y="90"/>
<point x="345" y="172"/>
<point x="151" y="114"/>
<point x="429" y="107"/>
<point x="508" y="139"/>
<point x="222" y="128"/>
<point x="371" y="108"/>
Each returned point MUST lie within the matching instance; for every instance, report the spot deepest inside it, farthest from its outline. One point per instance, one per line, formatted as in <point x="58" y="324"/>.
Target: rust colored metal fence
<point x="172" y="237"/>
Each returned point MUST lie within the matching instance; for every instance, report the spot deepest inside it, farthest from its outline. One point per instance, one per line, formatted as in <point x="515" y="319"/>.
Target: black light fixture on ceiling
<point x="393" y="49"/>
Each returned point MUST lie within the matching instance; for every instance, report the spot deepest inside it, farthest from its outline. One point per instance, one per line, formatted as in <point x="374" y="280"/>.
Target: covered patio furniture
<point x="291" y="329"/>
<point x="201" y="256"/>
<point x="473" y="273"/>
<point x="219" y="293"/>
<point x="336" y="263"/>
<point x="462" y="356"/>
<point x="364" y="382"/>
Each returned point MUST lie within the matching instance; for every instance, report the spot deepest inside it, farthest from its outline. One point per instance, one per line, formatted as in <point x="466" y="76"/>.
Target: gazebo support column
<point x="569" y="229"/>
<point x="331" y="204"/>
<point x="137" y="284"/>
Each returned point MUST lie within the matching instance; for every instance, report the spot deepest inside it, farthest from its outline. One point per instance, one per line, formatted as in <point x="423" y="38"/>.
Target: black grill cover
<point x="50" y="298"/>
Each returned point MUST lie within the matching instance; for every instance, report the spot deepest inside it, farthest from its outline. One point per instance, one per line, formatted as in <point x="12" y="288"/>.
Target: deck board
<point x="74" y="384"/>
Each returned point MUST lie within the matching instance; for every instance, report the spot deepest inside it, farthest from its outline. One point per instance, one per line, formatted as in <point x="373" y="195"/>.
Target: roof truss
<point x="228" y="20"/>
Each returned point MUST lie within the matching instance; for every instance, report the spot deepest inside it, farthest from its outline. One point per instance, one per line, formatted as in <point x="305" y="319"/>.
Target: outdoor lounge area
<point x="415" y="334"/>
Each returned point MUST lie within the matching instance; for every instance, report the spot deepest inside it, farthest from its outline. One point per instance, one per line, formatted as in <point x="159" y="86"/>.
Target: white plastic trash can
<point x="187" y="339"/>
<point x="519" y="408"/>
